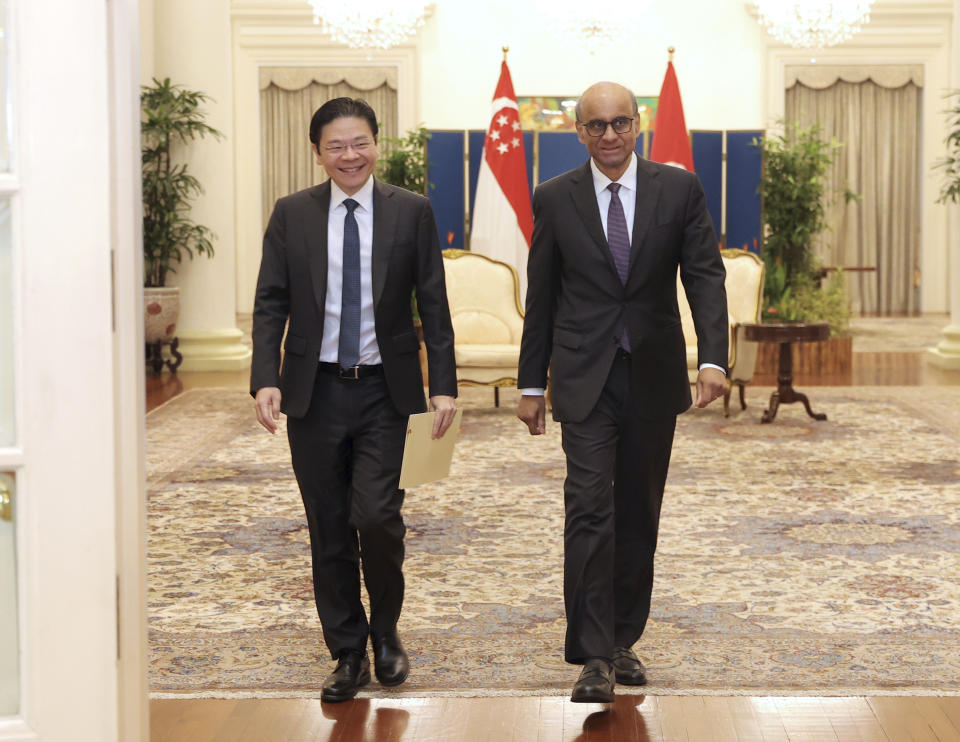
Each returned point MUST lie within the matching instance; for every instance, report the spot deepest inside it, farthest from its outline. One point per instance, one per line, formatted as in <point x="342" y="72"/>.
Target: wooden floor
<point x="633" y="718"/>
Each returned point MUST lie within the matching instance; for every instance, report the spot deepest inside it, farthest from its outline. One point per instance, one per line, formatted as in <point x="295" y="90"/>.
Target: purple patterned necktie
<point x="617" y="235"/>
<point x="619" y="240"/>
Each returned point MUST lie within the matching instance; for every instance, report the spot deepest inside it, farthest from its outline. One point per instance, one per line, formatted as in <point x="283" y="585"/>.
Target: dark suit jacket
<point x="576" y="303"/>
<point x="293" y="282"/>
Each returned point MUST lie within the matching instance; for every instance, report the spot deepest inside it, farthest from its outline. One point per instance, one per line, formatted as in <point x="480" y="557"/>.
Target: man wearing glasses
<point x="340" y="261"/>
<point x="602" y="315"/>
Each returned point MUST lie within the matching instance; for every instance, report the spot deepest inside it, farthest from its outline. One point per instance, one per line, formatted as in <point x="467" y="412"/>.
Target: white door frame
<point x="79" y="442"/>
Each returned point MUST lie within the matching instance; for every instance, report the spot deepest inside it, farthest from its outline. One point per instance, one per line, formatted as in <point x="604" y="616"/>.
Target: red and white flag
<point x="671" y="143"/>
<point x="502" y="217"/>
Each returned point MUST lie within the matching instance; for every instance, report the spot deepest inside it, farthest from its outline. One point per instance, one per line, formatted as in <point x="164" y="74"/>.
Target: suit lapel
<point x="385" y="210"/>
<point x="584" y="197"/>
<point x="316" y="228"/>
<point x="648" y="194"/>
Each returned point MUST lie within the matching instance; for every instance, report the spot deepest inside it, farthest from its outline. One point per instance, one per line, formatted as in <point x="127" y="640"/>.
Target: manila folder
<point x="426" y="459"/>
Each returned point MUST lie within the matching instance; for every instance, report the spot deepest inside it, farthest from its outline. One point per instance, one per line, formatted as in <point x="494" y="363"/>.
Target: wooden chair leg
<point x="496" y="396"/>
<point x="743" y="402"/>
<point x="726" y="403"/>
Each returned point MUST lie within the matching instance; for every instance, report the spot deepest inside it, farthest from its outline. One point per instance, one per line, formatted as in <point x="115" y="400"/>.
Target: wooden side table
<point x="787" y="333"/>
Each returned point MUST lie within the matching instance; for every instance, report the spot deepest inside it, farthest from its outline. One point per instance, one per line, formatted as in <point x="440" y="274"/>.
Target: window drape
<point x="875" y="113"/>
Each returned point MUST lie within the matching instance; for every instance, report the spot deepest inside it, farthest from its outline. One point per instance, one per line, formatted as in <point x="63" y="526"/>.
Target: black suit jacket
<point x="576" y="303"/>
<point x="293" y="283"/>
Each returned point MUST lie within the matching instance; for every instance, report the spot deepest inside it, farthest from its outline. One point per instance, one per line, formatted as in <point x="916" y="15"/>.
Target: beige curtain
<point x="288" y="98"/>
<point x="875" y="113"/>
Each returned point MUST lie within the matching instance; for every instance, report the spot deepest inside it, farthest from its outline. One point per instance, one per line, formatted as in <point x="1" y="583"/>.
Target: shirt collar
<point x="364" y="196"/>
<point x="628" y="180"/>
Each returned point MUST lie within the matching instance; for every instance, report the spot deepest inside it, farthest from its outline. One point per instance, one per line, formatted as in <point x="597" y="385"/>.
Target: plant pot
<point x="161" y="311"/>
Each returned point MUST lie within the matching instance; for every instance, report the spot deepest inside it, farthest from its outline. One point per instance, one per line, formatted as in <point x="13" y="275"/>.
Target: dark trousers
<point x="347" y="452"/>
<point x="616" y="470"/>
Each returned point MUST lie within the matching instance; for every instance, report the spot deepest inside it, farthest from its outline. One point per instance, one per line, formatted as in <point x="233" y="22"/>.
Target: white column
<point x="192" y="47"/>
<point x="947" y="353"/>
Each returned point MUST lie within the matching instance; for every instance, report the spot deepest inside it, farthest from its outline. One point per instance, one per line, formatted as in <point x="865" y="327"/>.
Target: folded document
<point x="425" y="459"/>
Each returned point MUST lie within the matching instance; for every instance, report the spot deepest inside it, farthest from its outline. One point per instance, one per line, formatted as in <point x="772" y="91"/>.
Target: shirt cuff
<point x="712" y="365"/>
<point x="533" y="392"/>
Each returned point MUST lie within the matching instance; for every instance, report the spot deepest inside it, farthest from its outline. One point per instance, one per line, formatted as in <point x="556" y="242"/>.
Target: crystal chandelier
<point x="372" y="24"/>
<point x="585" y="25"/>
<point x="813" y="24"/>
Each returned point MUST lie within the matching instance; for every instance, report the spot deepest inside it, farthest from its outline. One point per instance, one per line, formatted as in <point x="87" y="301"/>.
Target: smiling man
<point x="340" y="261"/>
<point x="602" y="315"/>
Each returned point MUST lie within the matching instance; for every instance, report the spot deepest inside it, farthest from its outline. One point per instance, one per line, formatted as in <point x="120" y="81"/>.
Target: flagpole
<point x="505" y="50"/>
<point x="670" y="51"/>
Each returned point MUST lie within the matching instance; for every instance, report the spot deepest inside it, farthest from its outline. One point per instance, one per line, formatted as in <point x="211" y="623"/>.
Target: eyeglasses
<point x="336" y="149"/>
<point x="598" y="127"/>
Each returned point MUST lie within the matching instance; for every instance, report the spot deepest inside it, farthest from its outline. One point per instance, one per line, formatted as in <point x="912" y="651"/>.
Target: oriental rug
<point x="795" y="558"/>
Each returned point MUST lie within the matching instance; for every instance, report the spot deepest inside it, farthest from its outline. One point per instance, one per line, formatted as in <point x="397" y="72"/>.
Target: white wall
<point x="719" y="59"/>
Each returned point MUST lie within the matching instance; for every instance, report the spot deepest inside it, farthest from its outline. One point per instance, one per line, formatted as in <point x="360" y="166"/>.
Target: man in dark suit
<point x="602" y="314"/>
<point x="340" y="261"/>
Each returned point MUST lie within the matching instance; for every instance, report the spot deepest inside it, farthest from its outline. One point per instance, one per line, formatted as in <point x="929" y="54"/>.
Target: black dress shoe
<point x="351" y="674"/>
<point x="390" y="660"/>
<point x="596" y="682"/>
<point x="628" y="667"/>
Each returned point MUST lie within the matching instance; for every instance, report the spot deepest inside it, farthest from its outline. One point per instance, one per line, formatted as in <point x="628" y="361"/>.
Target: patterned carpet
<point x="795" y="558"/>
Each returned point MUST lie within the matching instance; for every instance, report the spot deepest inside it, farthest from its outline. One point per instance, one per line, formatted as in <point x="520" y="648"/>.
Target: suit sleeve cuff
<point x="713" y="365"/>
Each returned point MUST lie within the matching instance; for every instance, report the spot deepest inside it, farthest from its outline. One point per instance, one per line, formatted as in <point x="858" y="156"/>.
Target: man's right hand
<point x="268" y="407"/>
<point x="532" y="409"/>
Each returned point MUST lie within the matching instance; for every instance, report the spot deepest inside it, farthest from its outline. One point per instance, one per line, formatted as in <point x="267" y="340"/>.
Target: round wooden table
<point x="787" y="333"/>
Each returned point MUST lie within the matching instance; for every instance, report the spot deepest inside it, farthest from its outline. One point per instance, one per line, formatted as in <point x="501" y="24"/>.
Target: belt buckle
<point x="352" y="373"/>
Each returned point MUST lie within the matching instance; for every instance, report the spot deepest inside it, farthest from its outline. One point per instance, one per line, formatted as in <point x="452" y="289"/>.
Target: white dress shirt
<point x="628" y="197"/>
<point x="330" y="347"/>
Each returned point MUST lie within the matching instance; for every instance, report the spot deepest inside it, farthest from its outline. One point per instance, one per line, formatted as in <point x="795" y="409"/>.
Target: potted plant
<point x="950" y="189"/>
<point x="171" y="116"/>
<point x="404" y="164"/>
<point x="792" y="189"/>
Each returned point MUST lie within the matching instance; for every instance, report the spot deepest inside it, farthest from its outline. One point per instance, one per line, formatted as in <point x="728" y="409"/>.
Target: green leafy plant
<point x="404" y="163"/>
<point x="171" y="116"/>
<point x="950" y="165"/>
<point x="792" y="189"/>
<point x="404" y="160"/>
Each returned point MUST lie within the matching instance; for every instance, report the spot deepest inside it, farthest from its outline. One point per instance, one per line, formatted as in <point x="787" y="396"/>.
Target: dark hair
<point x="336" y="108"/>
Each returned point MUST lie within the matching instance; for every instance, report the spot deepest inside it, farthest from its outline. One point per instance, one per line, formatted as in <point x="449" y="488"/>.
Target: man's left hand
<point x="711" y="383"/>
<point x="446" y="408"/>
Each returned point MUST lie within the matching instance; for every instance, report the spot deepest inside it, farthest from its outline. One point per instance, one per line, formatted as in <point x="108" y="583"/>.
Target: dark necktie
<point x="349" y="351"/>
<point x="619" y="240"/>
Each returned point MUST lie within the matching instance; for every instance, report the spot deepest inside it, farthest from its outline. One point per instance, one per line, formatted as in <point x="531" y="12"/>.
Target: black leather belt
<point x="353" y="373"/>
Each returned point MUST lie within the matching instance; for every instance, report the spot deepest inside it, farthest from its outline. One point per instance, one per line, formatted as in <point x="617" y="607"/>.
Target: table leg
<point x="785" y="393"/>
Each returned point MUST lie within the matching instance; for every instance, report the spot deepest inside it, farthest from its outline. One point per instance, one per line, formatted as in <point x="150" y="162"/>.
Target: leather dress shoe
<point x="390" y="660"/>
<point x="628" y="667"/>
<point x="596" y="682"/>
<point x="351" y="674"/>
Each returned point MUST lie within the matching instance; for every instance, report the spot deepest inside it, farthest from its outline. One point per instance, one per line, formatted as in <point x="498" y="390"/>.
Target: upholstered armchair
<point x="744" y="285"/>
<point x="484" y="296"/>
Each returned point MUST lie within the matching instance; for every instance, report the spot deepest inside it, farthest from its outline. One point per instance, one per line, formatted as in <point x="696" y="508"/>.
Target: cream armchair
<point x="484" y="296"/>
<point x="744" y="285"/>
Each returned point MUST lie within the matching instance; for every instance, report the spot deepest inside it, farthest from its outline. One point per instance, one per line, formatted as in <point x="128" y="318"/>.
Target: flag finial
<point x="670" y="51"/>
<point x="505" y="50"/>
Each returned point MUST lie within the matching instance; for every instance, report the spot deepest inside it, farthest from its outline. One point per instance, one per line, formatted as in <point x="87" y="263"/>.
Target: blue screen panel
<point x="708" y="162"/>
<point x="743" y="202"/>
<point x="445" y="173"/>
<point x="475" y="140"/>
<point x="560" y="151"/>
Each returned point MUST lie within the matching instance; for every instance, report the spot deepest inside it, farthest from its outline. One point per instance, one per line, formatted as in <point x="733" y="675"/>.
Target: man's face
<point x="611" y="151"/>
<point x="348" y="152"/>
